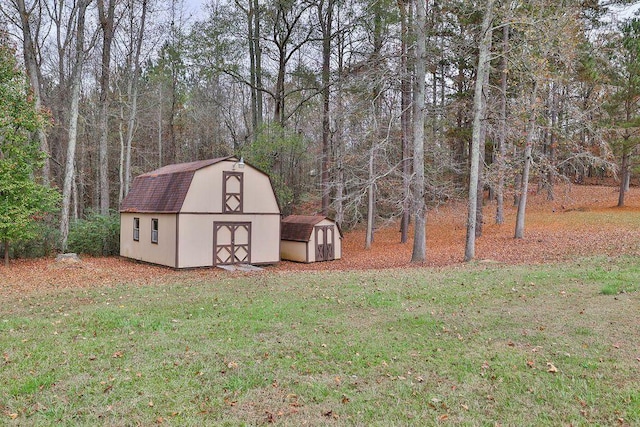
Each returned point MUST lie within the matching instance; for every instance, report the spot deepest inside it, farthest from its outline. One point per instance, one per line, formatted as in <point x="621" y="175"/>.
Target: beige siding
<point x="306" y="251"/>
<point x="294" y="251"/>
<point x="205" y="193"/>
<point x="196" y="238"/>
<point x="194" y="224"/>
<point x="163" y="252"/>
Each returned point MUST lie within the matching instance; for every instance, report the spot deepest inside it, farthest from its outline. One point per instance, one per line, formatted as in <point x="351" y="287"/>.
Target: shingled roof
<point x="298" y="228"/>
<point x="163" y="190"/>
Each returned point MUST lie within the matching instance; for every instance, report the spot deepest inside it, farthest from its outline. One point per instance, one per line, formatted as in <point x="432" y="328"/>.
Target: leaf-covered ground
<point x="581" y="221"/>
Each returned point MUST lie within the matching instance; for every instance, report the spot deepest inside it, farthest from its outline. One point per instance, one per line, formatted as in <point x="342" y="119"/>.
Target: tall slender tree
<point x="479" y="116"/>
<point x="527" y="153"/>
<point x="74" y="106"/>
<point x="30" y="53"/>
<point x="325" y="17"/>
<point x="502" y="127"/>
<point x="405" y="116"/>
<point x="106" y="17"/>
<point x="419" y="253"/>
<point x="137" y="33"/>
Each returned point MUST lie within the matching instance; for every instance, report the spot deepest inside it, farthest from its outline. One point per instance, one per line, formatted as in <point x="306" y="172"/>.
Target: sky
<point x="195" y="6"/>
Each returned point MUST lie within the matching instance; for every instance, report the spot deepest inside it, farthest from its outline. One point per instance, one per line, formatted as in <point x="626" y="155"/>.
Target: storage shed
<point x="310" y="239"/>
<point x="199" y="214"/>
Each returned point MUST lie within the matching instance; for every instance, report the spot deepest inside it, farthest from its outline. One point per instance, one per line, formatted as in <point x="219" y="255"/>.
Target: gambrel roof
<point x="298" y="228"/>
<point x="164" y="190"/>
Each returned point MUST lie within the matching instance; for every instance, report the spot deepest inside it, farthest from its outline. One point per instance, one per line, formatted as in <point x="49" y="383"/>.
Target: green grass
<point x="470" y="345"/>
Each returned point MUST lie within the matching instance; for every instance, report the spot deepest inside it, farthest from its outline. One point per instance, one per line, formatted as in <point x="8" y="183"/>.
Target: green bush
<point x="44" y="243"/>
<point x="97" y="235"/>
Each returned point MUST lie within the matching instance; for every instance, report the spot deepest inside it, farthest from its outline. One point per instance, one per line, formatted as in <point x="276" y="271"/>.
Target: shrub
<point x="97" y="235"/>
<point x="45" y="240"/>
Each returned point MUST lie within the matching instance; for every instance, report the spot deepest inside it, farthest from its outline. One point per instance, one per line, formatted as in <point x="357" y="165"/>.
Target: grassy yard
<point x="482" y="344"/>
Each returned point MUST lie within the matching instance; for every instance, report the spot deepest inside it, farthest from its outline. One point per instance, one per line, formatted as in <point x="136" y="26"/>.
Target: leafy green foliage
<point x="45" y="240"/>
<point x="23" y="202"/>
<point x="97" y="235"/>
<point x="279" y="152"/>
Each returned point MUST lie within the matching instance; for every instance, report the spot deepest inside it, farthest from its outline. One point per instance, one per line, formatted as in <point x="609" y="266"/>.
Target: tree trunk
<point x="338" y="140"/>
<point x="250" y="11"/>
<point x="479" y="112"/>
<point x="482" y="151"/>
<point x="173" y="154"/>
<point x="132" y="95"/>
<point x="480" y="192"/>
<point x="551" y="154"/>
<point x="160" y="142"/>
<point x="106" y="18"/>
<point x="121" y="171"/>
<point x="33" y="72"/>
<point x="419" y="253"/>
<point x="173" y="112"/>
<point x="326" y="19"/>
<point x="377" y="116"/>
<point x="524" y="183"/>
<point x="258" y="61"/>
<point x="405" y="121"/>
<point x="624" y="173"/>
<point x="76" y="79"/>
<point x="370" y="201"/>
<point x="255" y="64"/>
<point x="278" y="111"/>
<point x="502" y="132"/>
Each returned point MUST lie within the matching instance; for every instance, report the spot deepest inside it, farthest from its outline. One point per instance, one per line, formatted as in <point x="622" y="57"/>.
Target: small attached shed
<point x="310" y="239"/>
<point x="200" y="214"/>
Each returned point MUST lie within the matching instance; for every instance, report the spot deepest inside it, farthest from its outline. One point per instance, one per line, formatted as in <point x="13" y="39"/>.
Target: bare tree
<point x="132" y="64"/>
<point x="253" y="16"/>
<point x="419" y="254"/>
<point x="288" y="35"/>
<point x="76" y="80"/>
<point x="106" y="18"/>
<point x="325" y="17"/>
<point x="375" y="60"/>
<point x="528" y="150"/>
<point x="338" y="140"/>
<point x="502" y="127"/>
<point x="479" y="114"/>
<point x="30" y="54"/>
<point x="405" y="116"/>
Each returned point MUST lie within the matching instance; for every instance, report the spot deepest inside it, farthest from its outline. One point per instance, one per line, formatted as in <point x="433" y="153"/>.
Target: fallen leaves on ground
<point x="581" y="221"/>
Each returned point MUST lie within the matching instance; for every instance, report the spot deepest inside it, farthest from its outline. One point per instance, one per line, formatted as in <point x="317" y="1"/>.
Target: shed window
<point x="154" y="230"/>
<point x="136" y="229"/>
<point x="232" y="192"/>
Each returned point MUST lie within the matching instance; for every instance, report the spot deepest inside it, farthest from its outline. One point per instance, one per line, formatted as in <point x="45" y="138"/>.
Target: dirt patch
<point x="581" y="221"/>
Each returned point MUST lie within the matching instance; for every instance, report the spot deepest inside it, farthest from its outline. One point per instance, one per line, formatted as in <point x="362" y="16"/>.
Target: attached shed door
<point x="324" y="242"/>
<point x="231" y="243"/>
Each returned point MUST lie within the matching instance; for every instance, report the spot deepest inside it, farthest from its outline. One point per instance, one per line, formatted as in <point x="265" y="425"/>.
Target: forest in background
<point x="368" y="111"/>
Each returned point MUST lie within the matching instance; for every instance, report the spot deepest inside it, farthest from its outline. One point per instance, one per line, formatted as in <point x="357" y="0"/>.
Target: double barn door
<point x="324" y="242"/>
<point x="231" y="243"/>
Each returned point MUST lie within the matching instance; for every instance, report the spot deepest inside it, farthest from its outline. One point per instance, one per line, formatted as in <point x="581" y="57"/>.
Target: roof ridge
<point x="185" y="167"/>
